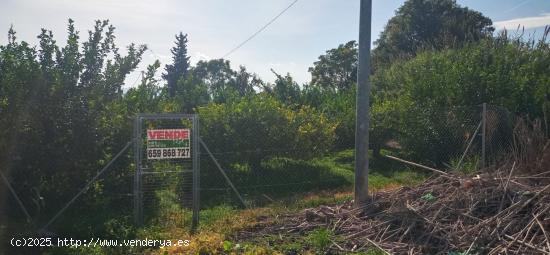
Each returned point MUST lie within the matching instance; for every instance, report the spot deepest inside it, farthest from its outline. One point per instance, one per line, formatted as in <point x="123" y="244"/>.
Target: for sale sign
<point x="168" y="144"/>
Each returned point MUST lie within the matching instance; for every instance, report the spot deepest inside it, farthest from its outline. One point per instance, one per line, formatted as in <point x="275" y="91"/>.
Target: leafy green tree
<point x="216" y="74"/>
<point x="20" y="87"/>
<point x="418" y="98"/>
<point x="428" y="25"/>
<point x="246" y="83"/>
<point x="497" y="71"/>
<point x="259" y="126"/>
<point x="95" y="50"/>
<point x="285" y="89"/>
<point x="146" y="97"/>
<point x="224" y="83"/>
<point x="60" y="103"/>
<point x="180" y="67"/>
<point x="193" y="93"/>
<point x="337" y="69"/>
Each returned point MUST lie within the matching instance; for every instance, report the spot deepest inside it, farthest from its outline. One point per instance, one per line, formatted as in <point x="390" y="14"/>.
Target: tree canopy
<point x="180" y="65"/>
<point x="337" y="68"/>
<point x="56" y="103"/>
<point x="428" y="25"/>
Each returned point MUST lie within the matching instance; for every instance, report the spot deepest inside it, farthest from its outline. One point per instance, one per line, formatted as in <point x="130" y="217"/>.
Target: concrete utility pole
<point x="362" y="106"/>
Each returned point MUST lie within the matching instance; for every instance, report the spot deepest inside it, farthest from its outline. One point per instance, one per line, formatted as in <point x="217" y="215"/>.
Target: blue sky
<point x="291" y="44"/>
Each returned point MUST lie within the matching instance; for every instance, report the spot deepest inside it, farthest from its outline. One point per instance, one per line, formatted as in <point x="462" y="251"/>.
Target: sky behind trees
<point x="291" y="44"/>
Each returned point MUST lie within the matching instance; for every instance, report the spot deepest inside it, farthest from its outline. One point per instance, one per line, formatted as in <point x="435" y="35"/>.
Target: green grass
<point x="319" y="239"/>
<point x="209" y="216"/>
<point x="281" y="177"/>
<point x="331" y="181"/>
<point x="383" y="172"/>
<point x="400" y="178"/>
<point x="336" y="172"/>
<point x="468" y="166"/>
<point x="321" y="199"/>
<point x="337" y="168"/>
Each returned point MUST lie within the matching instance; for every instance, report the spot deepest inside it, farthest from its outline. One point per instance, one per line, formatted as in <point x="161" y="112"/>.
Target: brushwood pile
<point x="503" y="209"/>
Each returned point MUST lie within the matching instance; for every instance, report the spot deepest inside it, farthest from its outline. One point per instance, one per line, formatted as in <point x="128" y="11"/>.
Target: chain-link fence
<point x="158" y="188"/>
<point x="438" y="137"/>
<point x="109" y="200"/>
<point x="275" y="178"/>
<point x="167" y="154"/>
<point x="464" y="138"/>
<point x="499" y="133"/>
<point x="108" y="195"/>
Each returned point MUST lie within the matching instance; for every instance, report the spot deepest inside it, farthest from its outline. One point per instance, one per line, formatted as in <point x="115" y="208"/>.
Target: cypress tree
<point x="180" y="66"/>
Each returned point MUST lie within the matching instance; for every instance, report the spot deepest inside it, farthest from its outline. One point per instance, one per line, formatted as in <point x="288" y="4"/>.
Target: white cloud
<point x="198" y="56"/>
<point x="276" y="65"/>
<point x="160" y="57"/>
<point x="527" y="22"/>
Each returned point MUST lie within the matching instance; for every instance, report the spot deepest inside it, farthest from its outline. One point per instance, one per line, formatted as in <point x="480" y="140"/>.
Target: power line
<point x="157" y="76"/>
<point x="517" y="6"/>
<point x="260" y="30"/>
<point x="155" y="54"/>
<point x="137" y="79"/>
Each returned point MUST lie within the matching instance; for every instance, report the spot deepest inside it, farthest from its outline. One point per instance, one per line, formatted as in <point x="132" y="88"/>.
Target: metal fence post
<point x="196" y="174"/>
<point x="137" y="175"/>
<point x="468" y="147"/>
<point x="23" y="208"/>
<point x="362" y="106"/>
<point x="483" y="134"/>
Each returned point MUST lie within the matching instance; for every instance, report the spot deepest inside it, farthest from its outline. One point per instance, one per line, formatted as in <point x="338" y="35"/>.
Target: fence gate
<point x="166" y="181"/>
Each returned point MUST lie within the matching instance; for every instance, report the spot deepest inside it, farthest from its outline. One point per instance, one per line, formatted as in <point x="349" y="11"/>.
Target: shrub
<point x="259" y="127"/>
<point x="416" y="101"/>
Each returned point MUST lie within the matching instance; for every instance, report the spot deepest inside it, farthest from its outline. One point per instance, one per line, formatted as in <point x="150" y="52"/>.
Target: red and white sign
<point x="168" y="134"/>
<point x="168" y="144"/>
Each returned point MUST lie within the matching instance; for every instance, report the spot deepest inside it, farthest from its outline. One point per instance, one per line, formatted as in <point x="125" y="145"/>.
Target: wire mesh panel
<point x="276" y="178"/>
<point x="262" y="161"/>
<point x="463" y="138"/>
<point x="167" y="165"/>
<point x="265" y="163"/>
<point x="440" y="137"/>
<point x="499" y="126"/>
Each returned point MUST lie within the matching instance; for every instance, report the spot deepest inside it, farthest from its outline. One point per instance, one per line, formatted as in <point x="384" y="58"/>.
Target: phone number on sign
<point x="168" y="153"/>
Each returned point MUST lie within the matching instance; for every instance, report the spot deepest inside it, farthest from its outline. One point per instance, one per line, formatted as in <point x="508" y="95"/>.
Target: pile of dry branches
<point x="503" y="211"/>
